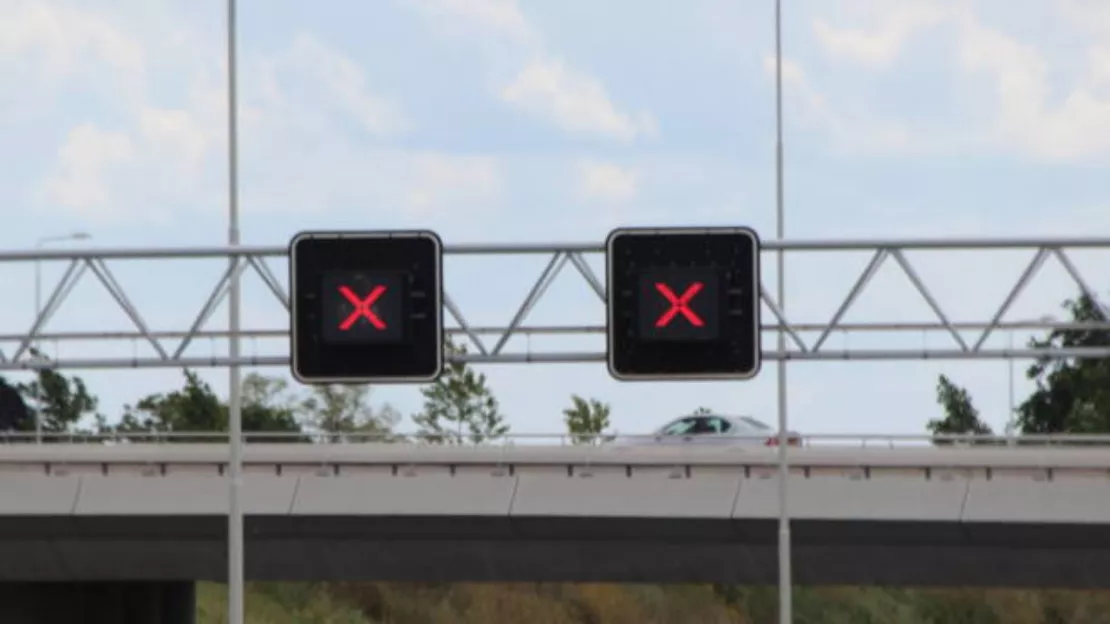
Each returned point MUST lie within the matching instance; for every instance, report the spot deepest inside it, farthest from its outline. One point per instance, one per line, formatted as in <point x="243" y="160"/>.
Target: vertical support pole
<point x="235" y="555"/>
<point x="37" y="344"/>
<point x="1010" y="366"/>
<point x="38" y="347"/>
<point x="785" y="575"/>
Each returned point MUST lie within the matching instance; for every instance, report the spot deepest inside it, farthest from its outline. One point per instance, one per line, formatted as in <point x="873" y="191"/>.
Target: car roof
<point x="739" y="420"/>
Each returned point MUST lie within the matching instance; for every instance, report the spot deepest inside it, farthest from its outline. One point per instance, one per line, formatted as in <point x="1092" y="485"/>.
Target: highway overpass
<point x="988" y="517"/>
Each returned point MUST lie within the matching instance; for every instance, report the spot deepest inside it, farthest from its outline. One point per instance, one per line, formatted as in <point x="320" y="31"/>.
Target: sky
<point x="500" y="121"/>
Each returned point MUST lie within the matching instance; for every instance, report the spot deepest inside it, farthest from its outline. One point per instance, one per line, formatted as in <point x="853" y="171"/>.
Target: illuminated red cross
<point x="363" y="307"/>
<point x="680" y="304"/>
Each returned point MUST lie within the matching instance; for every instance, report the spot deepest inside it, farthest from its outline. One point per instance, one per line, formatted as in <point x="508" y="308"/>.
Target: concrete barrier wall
<point x="721" y="494"/>
<point x="558" y="523"/>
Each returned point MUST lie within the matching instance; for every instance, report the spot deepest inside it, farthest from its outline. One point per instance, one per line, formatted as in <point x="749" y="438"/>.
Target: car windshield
<point x="753" y="423"/>
<point x="677" y="427"/>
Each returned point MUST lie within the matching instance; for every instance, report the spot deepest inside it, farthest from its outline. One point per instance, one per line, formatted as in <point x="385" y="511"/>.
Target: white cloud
<point x="575" y="102"/>
<point x="88" y="155"/>
<point x="546" y="87"/>
<point x="148" y="153"/>
<point x="852" y="134"/>
<point x="440" y="181"/>
<point x="881" y="46"/>
<point x="386" y="186"/>
<point x="1015" y="76"/>
<point x="54" y="41"/>
<point x="606" y="181"/>
<point x="139" y="173"/>
<point x="500" y="17"/>
<point x="161" y="155"/>
<point x="150" y="150"/>
<point x="337" y="81"/>
<point x="1025" y="119"/>
<point x="1092" y="16"/>
<point x="312" y="163"/>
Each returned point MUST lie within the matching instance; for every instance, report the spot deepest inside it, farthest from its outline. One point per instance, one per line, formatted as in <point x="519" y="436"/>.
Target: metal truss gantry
<point x="170" y="346"/>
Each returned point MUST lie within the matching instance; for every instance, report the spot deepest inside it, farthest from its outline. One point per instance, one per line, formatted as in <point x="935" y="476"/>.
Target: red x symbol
<point x="363" y="307"/>
<point x="680" y="304"/>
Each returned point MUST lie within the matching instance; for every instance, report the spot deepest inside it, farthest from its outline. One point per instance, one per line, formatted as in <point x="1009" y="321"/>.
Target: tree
<point x="337" y="409"/>
<point x="1072" y="395"/>
<point x="14" y="415"/>
<point x="61" y="402"/>
<point x="586" y="421"/>
<point x="702" y="411"/>
<point x="267" y="406"/>
<point x="192" y="408"/>
<point x="459" y="405"/>
<point x="196" y="408"/>
<point x="960" y="415"/>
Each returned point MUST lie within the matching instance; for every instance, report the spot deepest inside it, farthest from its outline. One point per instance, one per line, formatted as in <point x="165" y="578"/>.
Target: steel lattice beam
<point x="892" y="252"/>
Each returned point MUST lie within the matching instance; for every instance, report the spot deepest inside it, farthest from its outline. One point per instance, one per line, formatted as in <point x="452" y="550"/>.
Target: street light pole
<point x="786" y="601"/>
<point x="39" y="244"/>
<point x="235" y="545"/>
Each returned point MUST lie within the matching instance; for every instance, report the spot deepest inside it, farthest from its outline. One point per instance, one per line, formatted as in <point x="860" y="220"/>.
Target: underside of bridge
<point x="115" y="602"/>
<point x="555" y="549"/>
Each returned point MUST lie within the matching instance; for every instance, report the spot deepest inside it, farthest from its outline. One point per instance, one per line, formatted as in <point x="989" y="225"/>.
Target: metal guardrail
<point x="850" y="440"/>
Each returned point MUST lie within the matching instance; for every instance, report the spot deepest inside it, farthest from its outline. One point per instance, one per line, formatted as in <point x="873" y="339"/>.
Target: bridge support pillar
<point x="115" y="603"/>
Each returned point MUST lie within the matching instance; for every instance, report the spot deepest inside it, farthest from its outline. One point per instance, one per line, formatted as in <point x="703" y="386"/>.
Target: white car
<point x="715" y="429"/>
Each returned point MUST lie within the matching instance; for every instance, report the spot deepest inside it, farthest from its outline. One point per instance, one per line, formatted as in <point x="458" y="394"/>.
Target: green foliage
<point x="1072" y="396"/>
<point x="483" y="603"/>
<point x="460" y="406"/>
<point x="15" y="413"/>
<point x="195" y="408"/>
<point x="960" y="415"/>
<point x="336" y="410"/>
<point x="273" y="603"/>
<point x="702" y="411"/>
<point x="587" y="420"/>
<point x="62" y="402"/>
<point x="267" y="405"/>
